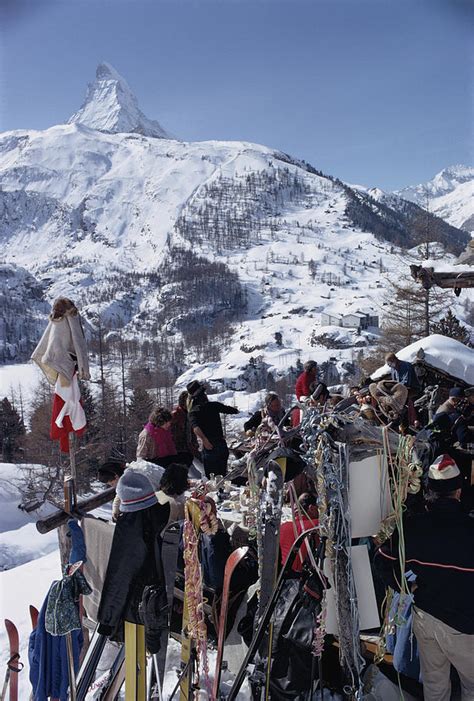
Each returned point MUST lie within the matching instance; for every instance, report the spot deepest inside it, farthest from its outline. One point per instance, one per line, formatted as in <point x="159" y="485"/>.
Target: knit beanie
<point x="444" y="475"/>
<point x="137" y="486"/>
<point x="456" y="392"/>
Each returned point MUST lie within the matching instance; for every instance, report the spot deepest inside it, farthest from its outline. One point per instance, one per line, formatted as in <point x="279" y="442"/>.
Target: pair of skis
<point x="232" y="563"/>
<point x="14" y="665"/>
<point x="116" y="677"/>
<point x="265" y="620"/>
<point x="269" y="542"/>
<point x="188" y="657"/>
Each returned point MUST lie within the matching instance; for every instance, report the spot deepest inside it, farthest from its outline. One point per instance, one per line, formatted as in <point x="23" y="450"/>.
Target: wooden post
<point x="135" y="662"/>
<point x="65" y="550"/>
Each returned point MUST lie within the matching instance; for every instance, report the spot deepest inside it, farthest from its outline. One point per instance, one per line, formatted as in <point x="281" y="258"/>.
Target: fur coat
<point x="62" y="345"/>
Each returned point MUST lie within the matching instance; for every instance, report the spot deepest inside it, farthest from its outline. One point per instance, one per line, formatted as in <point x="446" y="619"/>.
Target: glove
<point x="153" y="612"/>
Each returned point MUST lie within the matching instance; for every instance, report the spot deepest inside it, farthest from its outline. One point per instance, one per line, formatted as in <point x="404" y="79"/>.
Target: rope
<point x="193" y="587"/>
<point x="328" y="462"/>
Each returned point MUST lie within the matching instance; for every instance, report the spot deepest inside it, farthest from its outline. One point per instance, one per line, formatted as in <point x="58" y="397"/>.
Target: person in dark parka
<point x="205" y="421"/>
<point x="272" y="408"/>
<point x="133" y="562"/>
<point x="439" y="550"/>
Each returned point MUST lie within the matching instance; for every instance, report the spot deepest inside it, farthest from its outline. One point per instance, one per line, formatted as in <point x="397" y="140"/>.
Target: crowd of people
<point x="438" y="539"/>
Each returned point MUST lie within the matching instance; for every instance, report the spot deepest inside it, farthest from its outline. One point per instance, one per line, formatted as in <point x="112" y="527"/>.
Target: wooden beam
<point x="428" y="278"/>
<point x="59" y="517"/>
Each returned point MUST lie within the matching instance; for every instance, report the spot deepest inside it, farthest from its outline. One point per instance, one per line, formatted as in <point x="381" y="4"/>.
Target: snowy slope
<point x="450" y="195"/>
<point x="103" y="216"/>
<point x="22" y="311"/>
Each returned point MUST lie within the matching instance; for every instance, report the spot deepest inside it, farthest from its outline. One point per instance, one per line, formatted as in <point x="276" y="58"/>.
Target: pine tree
<point x="112" y="439"/>
<point x="40" y="448"/>
<point x="409" y="312"/>
<point x="90" y="445"/>
<point x="12" y="430"/>
<point x="450" y="326"/>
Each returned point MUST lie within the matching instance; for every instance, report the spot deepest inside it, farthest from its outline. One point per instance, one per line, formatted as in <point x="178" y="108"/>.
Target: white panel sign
<point x="364" y="585"/>
<point x="369" y="496"/>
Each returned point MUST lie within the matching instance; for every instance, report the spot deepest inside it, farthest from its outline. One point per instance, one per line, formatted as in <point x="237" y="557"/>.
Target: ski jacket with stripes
<point x="439" y="550"/>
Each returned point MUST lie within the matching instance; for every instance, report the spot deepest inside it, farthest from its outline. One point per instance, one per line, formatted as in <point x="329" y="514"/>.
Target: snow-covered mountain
<point x="169" y="241"/>
<point x="23" y="308"/>
<point x="449" y="195"/>
<point x="111" y="107"/>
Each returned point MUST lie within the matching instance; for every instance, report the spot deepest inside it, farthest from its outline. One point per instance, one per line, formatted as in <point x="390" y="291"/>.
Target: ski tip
<point x="13" y="636"/>
<point x="34" y="613"/>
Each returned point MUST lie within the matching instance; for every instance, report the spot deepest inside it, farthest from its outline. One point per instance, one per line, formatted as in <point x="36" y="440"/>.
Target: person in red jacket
<point x="289" y="531"/>
<point x="303" y="386"/>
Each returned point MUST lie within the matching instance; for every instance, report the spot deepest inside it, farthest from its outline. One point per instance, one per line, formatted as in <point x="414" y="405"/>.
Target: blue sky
<point x="378" y="92"/>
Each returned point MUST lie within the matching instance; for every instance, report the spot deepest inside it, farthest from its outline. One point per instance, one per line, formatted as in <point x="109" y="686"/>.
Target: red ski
<point x="232" y="562"/>
<point x="14" y="666"/>
<point x="34" y="613"/>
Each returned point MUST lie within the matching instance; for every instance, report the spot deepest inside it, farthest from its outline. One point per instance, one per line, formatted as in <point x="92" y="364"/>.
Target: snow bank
<point x="441" y="352"/>
<point x="20" y="542"/>
<point x="29" y="584"/>
<point x="11" y="517"/>
<point x="25" y="544"/>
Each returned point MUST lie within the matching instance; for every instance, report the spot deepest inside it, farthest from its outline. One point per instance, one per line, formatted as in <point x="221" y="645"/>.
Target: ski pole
<point x="184" y="671"/>
<point x="70" y="664"/>
<point x="5" y="684"/>
<point x="159" y="682"/>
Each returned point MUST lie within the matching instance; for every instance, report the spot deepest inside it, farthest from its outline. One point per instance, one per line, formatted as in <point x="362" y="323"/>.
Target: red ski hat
<point x="444" y="475"/>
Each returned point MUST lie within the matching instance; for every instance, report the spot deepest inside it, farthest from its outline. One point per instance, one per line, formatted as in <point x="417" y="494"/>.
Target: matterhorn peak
<point x="110" y="106"/>
<point x="105" y="71"/>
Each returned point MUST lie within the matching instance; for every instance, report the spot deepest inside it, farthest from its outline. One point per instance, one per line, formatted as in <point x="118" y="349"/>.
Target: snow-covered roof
<point x="441" y="352"/>
<point x="333" y="315"/>
<point x="361" y="315"/>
